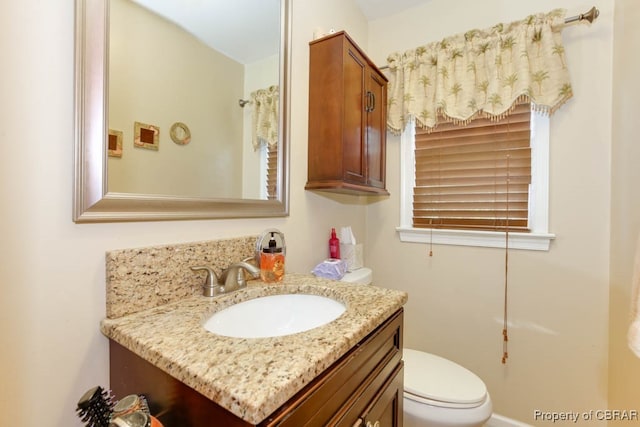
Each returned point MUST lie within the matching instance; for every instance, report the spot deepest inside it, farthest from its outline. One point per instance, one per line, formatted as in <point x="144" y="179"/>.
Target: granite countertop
<point x="251" y="377"/>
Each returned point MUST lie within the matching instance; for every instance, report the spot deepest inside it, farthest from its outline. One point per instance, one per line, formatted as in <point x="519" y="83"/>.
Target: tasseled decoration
<point x="505" y="353"/>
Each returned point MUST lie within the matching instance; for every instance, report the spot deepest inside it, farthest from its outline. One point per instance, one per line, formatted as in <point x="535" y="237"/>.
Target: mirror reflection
<point x="193" y="98"/>
<point x="163" y="146"/>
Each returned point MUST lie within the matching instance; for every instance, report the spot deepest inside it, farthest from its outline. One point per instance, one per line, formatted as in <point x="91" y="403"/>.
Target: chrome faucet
<point x="210" y="287"/>
<point x="233" y="276"/>
<point x="231" y="279"/>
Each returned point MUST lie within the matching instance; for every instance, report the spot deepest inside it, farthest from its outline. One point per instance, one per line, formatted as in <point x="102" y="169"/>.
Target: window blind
<point x="476" y="176"/>
<point x="272" y="171"/>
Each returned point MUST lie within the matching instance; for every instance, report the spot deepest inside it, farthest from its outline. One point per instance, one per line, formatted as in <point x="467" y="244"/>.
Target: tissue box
<point x="352" y="255"/>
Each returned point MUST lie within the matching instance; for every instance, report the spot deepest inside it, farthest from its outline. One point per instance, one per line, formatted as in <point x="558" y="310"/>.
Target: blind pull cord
<point x="439" y="183"/>
<point x="431" y="237"/>
<point x="505" y="333"/>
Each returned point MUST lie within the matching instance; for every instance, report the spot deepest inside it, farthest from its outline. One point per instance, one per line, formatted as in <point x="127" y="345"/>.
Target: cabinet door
<point x="376" y="104"/>
<point x="386" y="408"/>
<point x="353" y="148"/>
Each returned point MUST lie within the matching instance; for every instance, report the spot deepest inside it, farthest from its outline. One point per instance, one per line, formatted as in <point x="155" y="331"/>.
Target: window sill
<point x="487" y="239"/>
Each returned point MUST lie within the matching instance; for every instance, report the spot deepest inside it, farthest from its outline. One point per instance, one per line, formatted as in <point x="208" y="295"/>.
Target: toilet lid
<point x="362" y="275"/>
<point x="430" y="377"/>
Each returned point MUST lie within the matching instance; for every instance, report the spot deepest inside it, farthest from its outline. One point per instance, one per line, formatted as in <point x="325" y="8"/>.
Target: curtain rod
<point x="590" y="16"/>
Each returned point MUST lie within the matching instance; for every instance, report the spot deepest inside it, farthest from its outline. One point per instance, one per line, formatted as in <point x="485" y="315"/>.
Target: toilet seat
<point x="440" y="404"/>
<point x="440" y="382"/>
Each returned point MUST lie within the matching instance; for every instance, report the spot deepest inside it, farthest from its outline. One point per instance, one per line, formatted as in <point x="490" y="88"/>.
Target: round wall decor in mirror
<point x="180" y="133"/>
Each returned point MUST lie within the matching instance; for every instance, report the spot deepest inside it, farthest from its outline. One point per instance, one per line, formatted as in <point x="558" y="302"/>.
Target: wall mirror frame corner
<point x="92" y="202"/>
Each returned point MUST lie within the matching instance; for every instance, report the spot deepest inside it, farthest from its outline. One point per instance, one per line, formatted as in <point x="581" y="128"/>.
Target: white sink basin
<point x="274" y="316"/>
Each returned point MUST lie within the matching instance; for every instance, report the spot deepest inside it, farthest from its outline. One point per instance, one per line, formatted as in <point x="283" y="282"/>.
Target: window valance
<point x="264" y="113"/>
<point x="481" y="73"/>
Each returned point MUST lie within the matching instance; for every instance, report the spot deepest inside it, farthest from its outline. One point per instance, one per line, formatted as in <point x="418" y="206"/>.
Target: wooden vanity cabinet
<point x="366" y="384"/>
<point x="363" y="387"/>
<point x="347" y="118"/>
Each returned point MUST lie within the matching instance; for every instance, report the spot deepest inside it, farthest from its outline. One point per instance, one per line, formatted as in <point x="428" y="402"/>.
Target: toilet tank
<point x="362" y="275"/>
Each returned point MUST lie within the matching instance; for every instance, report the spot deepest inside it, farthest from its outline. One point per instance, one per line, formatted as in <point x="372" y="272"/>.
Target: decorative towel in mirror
<point x="264" y="103"/>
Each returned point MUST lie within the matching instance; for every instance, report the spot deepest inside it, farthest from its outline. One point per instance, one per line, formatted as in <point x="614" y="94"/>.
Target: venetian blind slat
<point x="475" y="176"/>
<point x="272" y="171"/>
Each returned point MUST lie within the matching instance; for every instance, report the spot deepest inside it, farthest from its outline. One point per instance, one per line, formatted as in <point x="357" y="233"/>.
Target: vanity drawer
<point x="341" y="394"/>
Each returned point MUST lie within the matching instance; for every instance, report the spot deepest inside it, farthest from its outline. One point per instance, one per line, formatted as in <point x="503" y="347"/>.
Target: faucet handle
<point x="233" y="276"/>
<point x="210" y="288"/>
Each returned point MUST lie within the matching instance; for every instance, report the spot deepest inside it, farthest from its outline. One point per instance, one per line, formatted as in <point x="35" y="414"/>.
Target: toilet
<point x="437" y="391"/>
<point x="362" y="275"/>
<point x="441" y="393"/>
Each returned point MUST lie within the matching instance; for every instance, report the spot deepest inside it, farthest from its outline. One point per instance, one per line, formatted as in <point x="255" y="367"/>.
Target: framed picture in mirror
<point x="146" y="136"/>
<point x="115" y="143"/>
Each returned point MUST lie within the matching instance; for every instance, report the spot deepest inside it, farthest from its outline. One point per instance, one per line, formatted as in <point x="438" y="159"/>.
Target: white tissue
<point x="346" y="236"/>
<point x="331" y="269"/>
<point x="352" y="256"/>
<point x="350" y="252"/>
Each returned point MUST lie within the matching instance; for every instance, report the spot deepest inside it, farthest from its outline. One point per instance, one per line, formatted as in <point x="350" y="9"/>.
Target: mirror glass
<point x="182" y="109"/>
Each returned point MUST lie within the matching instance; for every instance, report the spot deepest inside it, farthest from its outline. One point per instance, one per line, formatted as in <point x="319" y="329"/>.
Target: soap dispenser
<point x="271" y="256"/>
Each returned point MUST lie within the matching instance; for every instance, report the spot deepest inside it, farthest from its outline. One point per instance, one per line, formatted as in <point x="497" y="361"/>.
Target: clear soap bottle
<point x="272" y="262"/>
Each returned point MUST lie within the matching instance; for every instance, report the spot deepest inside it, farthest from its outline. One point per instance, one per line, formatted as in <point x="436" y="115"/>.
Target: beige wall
<point x="163" y="81"/>
<point x="624" y="367"/>
<point x="558" y="300"/>
<point x="52" y="270"/>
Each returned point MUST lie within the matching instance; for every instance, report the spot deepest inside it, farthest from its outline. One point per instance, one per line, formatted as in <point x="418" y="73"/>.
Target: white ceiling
<point x="375" y="9"/>
<point x="227" y="24"/>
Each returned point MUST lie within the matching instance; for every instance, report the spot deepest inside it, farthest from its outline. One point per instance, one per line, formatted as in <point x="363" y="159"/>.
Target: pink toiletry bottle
<point x="334" y="245"/>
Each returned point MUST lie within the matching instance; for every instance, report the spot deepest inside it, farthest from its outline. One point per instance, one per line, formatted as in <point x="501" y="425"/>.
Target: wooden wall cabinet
<point x="347" y="118"/>
<point x="363" y="387"/>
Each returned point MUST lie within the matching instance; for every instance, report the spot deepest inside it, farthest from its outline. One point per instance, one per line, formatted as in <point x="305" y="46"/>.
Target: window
<point x="268" y="171"/>
<point x="454" y="189"/>
<point x="272" y="170"/>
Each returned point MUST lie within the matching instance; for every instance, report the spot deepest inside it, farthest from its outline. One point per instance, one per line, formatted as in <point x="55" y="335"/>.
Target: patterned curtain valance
<point x="480" y="72"/>
<point x="264" y="115"/>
